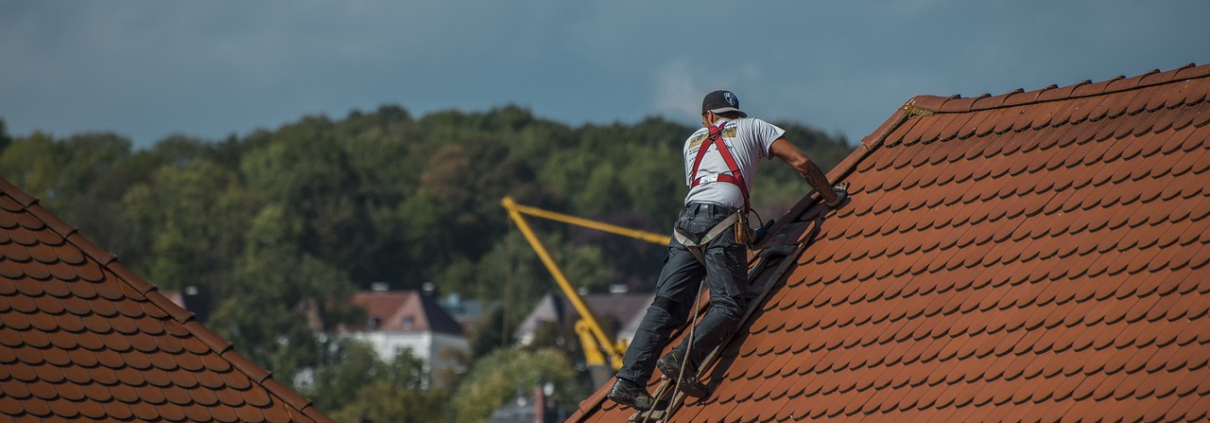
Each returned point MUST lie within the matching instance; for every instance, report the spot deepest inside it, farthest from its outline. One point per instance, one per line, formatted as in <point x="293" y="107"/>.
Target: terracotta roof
<point x="406" y="311"/>
<point x="84" y="338"/>
<point x="1032" y="256"/>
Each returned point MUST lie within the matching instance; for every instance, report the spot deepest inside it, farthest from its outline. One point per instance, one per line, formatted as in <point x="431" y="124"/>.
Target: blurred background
<point x="321" y="181"/>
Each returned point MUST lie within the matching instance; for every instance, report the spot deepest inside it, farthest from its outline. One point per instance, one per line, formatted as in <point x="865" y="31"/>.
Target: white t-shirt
<point x="749" y="140"/>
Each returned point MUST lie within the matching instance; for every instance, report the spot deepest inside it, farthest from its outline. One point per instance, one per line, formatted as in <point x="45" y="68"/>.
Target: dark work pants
<point x="726" y="266"/>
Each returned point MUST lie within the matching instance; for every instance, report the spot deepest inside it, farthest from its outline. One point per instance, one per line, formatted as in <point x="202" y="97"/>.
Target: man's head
<point x="722" y="103"/>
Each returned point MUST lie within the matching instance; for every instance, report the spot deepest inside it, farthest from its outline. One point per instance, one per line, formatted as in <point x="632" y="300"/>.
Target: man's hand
<point x="842" y="192"/>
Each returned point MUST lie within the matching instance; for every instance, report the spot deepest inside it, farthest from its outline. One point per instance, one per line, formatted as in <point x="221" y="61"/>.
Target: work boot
<point x="630" y="394"/>
<point x="670" y="365"/>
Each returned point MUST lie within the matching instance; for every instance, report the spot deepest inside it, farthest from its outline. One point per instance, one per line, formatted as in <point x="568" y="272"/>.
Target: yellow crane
<point x="596" y="343"/>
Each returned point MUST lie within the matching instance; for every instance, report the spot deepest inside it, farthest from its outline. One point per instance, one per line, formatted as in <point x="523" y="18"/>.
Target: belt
<point x="714" y="232"/>
<point x="709" y="207"/>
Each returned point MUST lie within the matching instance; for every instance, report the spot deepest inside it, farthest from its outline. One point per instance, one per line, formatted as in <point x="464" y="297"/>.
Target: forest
<point x="273" y="223"/>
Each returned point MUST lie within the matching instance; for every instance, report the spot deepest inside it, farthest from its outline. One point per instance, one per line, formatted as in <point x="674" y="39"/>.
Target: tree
<point x="357" y="385"/>
<point x="5" y="139"/>
<point x="276" y="287"/>
<point x="381" y="402"/>
<point x="280" y="226"/>
<point x="303" y="170"/>
<point x="61" y="171"/>
<point x="495" y="331"/>
<point x="82" y="179"/>
<point x="195" y="217"/>
<point x="507" y="372"/>
<point x="32" y="163"/>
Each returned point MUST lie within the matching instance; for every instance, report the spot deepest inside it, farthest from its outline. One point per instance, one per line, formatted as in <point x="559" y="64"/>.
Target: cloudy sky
<point x="151" y="68"/>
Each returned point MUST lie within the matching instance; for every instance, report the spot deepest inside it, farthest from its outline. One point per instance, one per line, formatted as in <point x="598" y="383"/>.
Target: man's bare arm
<point x="811" y="172"/>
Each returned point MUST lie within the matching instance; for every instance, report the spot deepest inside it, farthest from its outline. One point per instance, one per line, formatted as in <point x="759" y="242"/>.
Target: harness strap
<point x="697" y="247"/>
<point x="736" y="177"/>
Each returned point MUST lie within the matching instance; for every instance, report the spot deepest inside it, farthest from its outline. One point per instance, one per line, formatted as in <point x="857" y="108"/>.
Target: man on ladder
<point x="711" y="239"/>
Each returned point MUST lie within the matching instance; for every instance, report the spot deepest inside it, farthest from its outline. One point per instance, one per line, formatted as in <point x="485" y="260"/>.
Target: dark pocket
<point x="688" y="228"/>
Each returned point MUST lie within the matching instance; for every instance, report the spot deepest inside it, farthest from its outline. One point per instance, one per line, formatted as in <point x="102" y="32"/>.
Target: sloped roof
<point x="393" y="308"/>
<point x="1032" y="256"/>
<point x="619" y="308"/>
<point x="83" y="338"/>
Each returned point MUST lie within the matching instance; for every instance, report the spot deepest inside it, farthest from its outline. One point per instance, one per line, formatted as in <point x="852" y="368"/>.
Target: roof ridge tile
<point x="246" y="366"/>
<point x="957" y="104"/>
<point x="1086" y="88"/>
<point x="1125" y="83"/>
<point x="877" y="138"/>
<point x="1190" y="71"/>
<point x="1019" y="97"/>
<point x="22" y="198"/>
<point x="929" y="103"/>
<point x="1096" y="88"/>
<point x="176" y="312"/>
<point x="1062" y="93"/>
<point x="53" y="222"/>
<point x="91" y="250"/>
<point x="1157" y="77"/>
<point x="288" y="396"/>
<point x="132" y="280"/>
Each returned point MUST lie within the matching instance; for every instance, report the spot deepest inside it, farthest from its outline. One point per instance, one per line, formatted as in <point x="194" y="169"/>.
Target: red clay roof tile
<point x="1033" y="256"/>
<point x="83" y="337"/>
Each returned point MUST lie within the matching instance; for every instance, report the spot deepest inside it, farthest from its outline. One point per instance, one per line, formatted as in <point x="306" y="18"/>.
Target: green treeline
<point x="278" y="222"/>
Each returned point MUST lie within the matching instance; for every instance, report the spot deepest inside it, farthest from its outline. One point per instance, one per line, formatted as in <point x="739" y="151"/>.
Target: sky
<point x="149" y="69"/>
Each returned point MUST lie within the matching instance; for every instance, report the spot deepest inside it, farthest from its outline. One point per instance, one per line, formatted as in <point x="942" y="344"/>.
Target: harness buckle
<point x="708" y="179"/>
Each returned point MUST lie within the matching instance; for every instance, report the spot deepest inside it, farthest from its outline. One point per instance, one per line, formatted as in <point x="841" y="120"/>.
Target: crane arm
<point x="653" y="238"/>
<point x="615" y="350"/>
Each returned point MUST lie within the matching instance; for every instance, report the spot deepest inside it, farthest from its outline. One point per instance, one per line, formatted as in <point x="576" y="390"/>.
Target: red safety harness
<point x="736" y="177"/>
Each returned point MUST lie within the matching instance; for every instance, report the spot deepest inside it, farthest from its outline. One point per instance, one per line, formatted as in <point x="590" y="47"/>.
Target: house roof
<point x="84" y="338"/>
<point x="1032" y="256"/>
<point x="406" y="311"/>
<point x="618" y="309"/>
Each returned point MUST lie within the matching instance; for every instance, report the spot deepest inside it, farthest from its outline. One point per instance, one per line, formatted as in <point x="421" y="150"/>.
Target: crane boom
<point x="613" y="349"/>
<point x="654" y="238"/>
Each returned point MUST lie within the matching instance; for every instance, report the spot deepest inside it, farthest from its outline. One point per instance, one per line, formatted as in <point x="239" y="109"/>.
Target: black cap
<point x="721" y="101"/>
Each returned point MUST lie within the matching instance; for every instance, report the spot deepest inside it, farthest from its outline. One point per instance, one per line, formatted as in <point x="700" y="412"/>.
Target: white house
<point x="410" y="320"/>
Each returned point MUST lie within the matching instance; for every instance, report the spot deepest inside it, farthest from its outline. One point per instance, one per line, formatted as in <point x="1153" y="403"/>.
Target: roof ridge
<point x="221" y="347"/>
<point x="848" y="165"/>
<point x="1086" y="88"/>
<point x="437" y="319"/>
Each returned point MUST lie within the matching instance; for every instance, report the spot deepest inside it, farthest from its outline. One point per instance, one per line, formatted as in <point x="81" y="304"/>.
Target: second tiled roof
<point x="84" y="339"/>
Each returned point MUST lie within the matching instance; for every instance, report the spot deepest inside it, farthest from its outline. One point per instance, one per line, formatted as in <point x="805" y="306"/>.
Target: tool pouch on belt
<point x="743" y="233"/>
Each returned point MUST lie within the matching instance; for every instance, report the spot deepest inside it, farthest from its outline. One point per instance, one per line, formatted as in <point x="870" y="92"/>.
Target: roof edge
<point x="958" y="104"/>
<point x="438" y="320"/>
<point x="150" y="291"/>
<point x="845" y="167"/>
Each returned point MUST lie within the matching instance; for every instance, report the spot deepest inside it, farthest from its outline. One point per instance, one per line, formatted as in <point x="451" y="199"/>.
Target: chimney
<point x="196" y="301"/>
<point x="539" y="405"/>
<point x="545" y="411"/>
